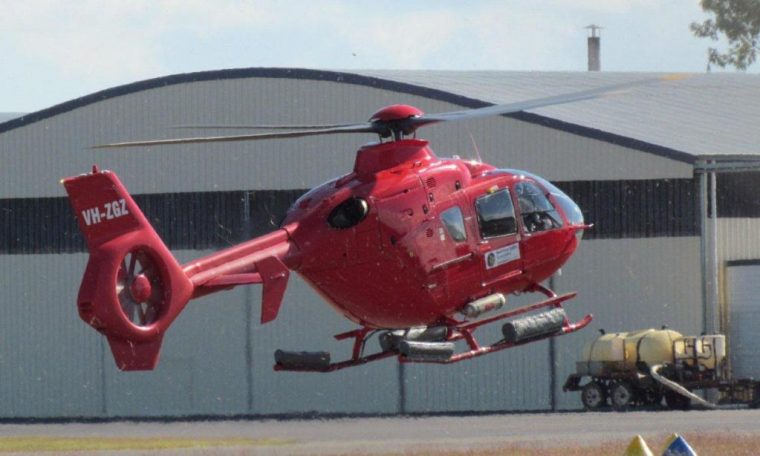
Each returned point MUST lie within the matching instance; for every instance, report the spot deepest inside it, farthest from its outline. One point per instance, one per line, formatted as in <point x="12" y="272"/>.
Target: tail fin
<point x="133" y="287"/>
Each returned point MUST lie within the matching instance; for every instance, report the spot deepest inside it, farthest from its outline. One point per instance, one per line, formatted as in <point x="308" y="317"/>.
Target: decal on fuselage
<point x="109" y="211"/>
<point x="502" y="255"/>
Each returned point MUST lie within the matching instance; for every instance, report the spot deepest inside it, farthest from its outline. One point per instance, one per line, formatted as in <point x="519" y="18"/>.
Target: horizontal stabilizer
<point x="274" y="276"/>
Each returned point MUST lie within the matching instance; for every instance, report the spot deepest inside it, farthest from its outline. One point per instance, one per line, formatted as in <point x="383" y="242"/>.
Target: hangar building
<point x="642" y="165"/>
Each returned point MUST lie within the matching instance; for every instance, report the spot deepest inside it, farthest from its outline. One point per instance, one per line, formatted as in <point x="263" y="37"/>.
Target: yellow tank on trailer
<point x="651" y="346"/>
<point x="641" y="367"/>
<point x="621" y="351"/>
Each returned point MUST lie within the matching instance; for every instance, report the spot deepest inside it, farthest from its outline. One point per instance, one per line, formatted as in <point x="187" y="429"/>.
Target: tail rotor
<point x="140" y="288"/>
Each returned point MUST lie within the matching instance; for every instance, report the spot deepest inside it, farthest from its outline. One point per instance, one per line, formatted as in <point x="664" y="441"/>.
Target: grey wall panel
<point x="737" y="240"/>
<point x="307" y="323"/>
<point x="629" y="284"/>
<point x="50" y="361"/>
<point x="39" y="154"/>
<point x="742" y="294"/>
<point x="554" y="154"/>
<point x="298" y="163"/>
<point x="202" y="369"/>
<point x="214" y="382"/>
<point x="513" y="379"/>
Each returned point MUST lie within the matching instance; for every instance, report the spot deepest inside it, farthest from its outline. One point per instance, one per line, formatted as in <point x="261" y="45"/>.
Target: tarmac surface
<point x="396" y="435"/>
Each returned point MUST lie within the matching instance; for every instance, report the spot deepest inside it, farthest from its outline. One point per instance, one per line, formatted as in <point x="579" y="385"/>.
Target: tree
<point x="739" y="21"/>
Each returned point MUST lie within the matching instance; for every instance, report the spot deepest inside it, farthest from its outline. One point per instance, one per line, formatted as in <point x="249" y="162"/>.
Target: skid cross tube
<point x="457" y="330"/>
<point x="464" y="330"/>
<point x="476" y="350"/>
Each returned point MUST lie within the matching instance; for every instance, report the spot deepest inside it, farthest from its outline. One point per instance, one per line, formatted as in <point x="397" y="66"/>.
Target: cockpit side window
<point x="496" y="214"/>
<point x="454" y="222"/>
<point x="538" y="213"/>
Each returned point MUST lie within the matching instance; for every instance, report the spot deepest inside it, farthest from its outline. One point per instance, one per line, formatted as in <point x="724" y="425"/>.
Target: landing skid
<point x="521" y="331"/>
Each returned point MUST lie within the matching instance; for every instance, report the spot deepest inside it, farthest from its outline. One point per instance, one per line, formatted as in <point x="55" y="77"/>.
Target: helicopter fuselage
<point x="408" y="239"/>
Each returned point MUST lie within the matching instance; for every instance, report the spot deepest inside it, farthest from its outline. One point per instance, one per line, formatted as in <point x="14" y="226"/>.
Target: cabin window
<point x="496" y="214"/>
<point x="454" y="222"/>
<point x="538" y="213"/>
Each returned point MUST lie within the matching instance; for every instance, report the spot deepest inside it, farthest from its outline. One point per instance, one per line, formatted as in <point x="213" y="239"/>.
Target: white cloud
<point x="89" y="45"/>
<point x="107" y="40"/>
<point x="87" y="40"/>
<point x="603" y="6"/>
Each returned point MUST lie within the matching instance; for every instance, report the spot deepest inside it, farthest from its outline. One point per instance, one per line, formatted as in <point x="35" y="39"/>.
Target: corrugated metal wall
<point x="737" y="240"/>
<point x="52" y="364"/>
<point x="514" y="379"/>
<point x="629" y="284"/>
<point x="41" y="153"/>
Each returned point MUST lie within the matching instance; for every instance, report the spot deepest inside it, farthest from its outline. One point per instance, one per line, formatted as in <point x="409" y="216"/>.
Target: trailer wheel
<point x="621" y="395"/>
<point x="593" y="396"/>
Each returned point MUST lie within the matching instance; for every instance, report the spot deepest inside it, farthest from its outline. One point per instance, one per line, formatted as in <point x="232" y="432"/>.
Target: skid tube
<point x="457" y="330"/>
<point x="465" y="330"/>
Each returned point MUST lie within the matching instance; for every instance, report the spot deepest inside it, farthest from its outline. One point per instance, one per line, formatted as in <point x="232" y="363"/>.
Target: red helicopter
<point x="408" y="246"/>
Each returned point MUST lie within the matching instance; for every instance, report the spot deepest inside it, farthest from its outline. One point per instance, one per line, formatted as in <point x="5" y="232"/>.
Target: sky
<point x="53" y="51"/>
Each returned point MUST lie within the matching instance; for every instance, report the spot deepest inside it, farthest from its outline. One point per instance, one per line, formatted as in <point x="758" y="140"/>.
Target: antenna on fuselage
<point x="475" y="146"/>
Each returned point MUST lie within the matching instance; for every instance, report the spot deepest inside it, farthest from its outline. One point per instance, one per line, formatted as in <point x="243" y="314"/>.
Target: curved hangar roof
<point x="701" y="116"/>
<point x="704" y="116"/>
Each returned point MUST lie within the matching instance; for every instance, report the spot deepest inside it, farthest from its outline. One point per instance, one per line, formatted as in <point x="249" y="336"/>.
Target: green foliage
<point x="739" y="22"/>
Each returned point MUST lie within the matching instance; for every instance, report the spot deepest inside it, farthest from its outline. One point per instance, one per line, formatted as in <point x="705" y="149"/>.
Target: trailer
<point x="652" y="368"/>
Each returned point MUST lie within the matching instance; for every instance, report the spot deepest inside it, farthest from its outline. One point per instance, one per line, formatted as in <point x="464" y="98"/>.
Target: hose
<point x="675" y="387"/>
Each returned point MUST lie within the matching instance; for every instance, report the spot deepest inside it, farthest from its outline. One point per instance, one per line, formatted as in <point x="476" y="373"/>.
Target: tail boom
<point x="265" y="260"/>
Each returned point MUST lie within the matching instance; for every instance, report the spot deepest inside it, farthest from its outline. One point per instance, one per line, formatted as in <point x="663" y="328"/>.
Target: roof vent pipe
<point x="594" y="58"/>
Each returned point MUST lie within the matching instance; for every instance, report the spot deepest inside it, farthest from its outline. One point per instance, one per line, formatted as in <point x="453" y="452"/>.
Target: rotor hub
<point x="396" y="121"/>
<point x="395" y="113"/>
<point x="140" y="288"/>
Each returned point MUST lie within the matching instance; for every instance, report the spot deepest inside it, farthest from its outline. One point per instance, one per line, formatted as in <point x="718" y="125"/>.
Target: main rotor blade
<point x="352" y="128"/>
<point x="589" y="94"/>
<point x="263" y="127"/>
<point x="386" y="128"/>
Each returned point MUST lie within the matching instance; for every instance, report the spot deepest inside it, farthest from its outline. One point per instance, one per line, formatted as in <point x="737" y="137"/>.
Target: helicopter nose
<point x="571" y="209"/>
<point x="577" y="220"/>
<point x="577" y="215"/>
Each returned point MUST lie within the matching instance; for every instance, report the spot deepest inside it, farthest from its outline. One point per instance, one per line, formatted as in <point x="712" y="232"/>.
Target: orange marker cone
<point x="638" y="447"/>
